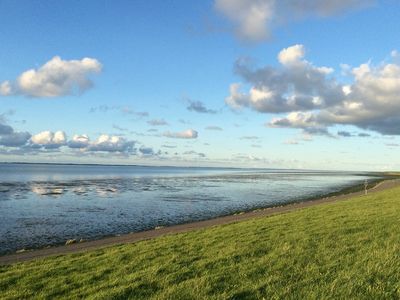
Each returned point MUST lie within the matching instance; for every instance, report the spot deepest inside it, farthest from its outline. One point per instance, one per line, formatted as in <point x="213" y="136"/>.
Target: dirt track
<point x="134" y="237"/>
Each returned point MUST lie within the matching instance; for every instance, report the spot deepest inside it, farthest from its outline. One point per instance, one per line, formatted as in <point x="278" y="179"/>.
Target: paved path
<point x="144" y="235"/>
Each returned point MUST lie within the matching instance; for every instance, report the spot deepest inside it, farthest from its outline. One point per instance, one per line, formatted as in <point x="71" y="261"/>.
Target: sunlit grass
<point x="348" y="249"/>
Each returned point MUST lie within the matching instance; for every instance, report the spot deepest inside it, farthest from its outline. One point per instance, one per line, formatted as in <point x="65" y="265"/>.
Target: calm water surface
<point x="43" y="205"/>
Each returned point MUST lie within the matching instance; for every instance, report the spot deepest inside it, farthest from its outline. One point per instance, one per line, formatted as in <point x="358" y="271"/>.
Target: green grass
<point x="345" y="250"/>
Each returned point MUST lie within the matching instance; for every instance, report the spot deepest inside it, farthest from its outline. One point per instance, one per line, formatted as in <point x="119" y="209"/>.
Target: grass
<point x="345" y="250"/>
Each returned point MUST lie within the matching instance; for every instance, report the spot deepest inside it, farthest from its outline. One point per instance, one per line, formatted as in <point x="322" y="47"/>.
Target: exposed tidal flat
<point x="342" y="250"/>
<point x="45" y="205"/>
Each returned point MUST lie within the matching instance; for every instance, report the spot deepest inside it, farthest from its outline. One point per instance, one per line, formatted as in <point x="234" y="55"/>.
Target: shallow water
<point x="43" y="205"/>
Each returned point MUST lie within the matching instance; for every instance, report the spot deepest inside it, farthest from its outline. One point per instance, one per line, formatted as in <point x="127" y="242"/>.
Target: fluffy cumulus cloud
<point x="303" y="120"/>
<point x="55" y="78"/>
<point x="104" y="143"/>
<point x="107" y="143"/>
<point x="49" y="139"/>
<point x="79" y="141"/>
<point x="314" y="99"/>
<point x="296" y="85"/>
<point x="253" y="20"/>
<point x="23" y="142"/>
<point x="371" y="102"/>
<point x="186" y="134"/>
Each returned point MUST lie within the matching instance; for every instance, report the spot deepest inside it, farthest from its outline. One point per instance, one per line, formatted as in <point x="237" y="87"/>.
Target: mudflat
<point x="144" y="235"/>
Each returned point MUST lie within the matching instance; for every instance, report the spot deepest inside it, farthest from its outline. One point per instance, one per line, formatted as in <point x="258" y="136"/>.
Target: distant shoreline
<point x="184" y="167"/>
<point x="379" y="185"/>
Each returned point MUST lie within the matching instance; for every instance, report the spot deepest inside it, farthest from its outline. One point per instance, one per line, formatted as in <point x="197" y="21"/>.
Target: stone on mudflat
<point x="69" y="242"/>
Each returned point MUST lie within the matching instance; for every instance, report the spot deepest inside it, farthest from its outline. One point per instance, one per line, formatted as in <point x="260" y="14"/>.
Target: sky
<point x="234" y="83"/>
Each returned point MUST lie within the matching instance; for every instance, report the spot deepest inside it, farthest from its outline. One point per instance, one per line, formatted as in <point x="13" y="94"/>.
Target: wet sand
<point x="144" y="235"/>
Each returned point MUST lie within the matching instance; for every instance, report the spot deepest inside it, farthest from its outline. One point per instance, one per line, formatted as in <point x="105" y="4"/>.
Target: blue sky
<point x="155" y="86"/>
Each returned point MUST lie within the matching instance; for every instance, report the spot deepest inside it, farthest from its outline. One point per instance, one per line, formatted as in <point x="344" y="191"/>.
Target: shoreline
<point x="28" y="255"/>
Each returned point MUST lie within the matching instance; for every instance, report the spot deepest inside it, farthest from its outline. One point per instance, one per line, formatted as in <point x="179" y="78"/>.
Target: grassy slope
<point x="348" y="249"/>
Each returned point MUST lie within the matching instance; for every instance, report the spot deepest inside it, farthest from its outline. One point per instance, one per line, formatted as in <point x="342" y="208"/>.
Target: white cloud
<point x="346" y="69"/>
<point x="59" y="137"/>
<point x="315" y="100"/>
<point x="372" y="101"/>
<point x="104" y="143"/>
<point x="296" y="85"/>
<point x="79" y="141"/>
<point x="186" y="134"/>
<point x="55" y="141"/>
<point x="250" y="17"/>
<point x="55" y="78"/>
<point x="236" y="99"/>
<point x="5" y="88"/>
<point x="291" y="55"/>
<point x="304" y="120"/>
<point x="295" y="119"/>
<point x="253" y="20"/>
<point x="49" y="140"/>
<point x="109" y="143"/>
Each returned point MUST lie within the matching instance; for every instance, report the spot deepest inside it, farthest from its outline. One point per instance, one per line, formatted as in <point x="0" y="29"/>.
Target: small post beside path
<point x="365" y="186"/>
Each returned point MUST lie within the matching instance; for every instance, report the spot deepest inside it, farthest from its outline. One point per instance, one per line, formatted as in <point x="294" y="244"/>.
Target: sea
<point x="46" y="204"/>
